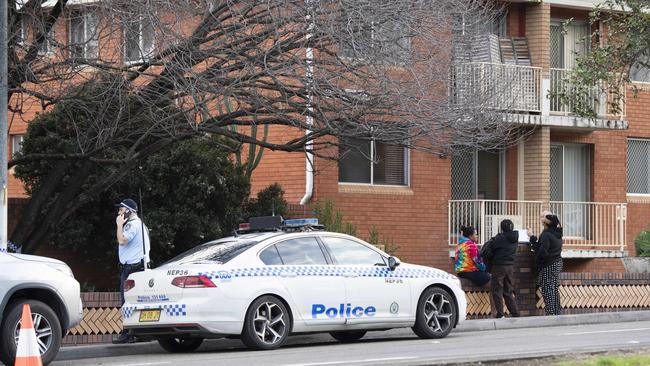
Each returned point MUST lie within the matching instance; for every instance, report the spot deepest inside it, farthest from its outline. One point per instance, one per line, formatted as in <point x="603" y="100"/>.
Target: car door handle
<point x="287" y="274"/>
<point x="350" y="274"/>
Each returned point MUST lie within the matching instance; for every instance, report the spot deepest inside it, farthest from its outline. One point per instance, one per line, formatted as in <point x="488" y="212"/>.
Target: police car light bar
<point x="300" y="222"/>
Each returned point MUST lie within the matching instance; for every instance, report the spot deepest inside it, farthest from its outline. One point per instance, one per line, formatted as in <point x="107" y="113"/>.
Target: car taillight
<point x="128" y="284"/>
<point x="192" y="282"/>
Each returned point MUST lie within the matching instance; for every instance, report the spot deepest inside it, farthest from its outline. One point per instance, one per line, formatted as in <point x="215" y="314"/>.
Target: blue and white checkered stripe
<point x="169" y="309"/>
<point x="273" y="271"/>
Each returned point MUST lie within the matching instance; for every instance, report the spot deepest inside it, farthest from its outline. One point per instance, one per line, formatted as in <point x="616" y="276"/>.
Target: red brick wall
<point x="414" y="218"/>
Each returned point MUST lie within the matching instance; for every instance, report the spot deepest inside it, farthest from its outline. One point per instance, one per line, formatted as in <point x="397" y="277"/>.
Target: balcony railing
<point x="595" y="99"/>
<point x="496" y="86"/>
<point x="587" y="225"/>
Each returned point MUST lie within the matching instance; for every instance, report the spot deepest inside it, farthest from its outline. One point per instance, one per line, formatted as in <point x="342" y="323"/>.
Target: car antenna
<point x="146" y="263"/>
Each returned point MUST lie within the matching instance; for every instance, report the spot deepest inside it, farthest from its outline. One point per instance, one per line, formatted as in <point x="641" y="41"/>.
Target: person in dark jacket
<point x="548" y="258"/>
<point x="500" y="253"/>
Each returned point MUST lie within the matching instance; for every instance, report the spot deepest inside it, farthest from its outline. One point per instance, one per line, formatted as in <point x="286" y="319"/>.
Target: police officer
<point x="130" y="233"/>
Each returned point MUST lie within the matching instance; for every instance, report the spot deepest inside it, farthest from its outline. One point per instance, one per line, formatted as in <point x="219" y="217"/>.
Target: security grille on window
<point x="84" y="38"/>
<point x="138" y="39"/>
<point x="372" y="162"/>
<point x="638" y="166"/>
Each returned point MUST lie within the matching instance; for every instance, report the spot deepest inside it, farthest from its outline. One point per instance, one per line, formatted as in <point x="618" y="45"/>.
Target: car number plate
<point x="150" y="315"/>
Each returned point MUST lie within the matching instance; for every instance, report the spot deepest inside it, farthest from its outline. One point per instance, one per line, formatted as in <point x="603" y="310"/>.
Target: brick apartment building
<point x="594" y="173"/>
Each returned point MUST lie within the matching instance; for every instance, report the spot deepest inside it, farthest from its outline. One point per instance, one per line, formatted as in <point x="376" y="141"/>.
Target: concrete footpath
<point x="108" y="350"/>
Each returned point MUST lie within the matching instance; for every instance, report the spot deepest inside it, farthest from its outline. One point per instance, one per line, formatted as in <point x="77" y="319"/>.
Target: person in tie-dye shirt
<point x="468" y="262"/>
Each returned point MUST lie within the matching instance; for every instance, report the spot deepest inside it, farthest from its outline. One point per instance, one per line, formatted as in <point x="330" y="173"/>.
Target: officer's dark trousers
<point x="125" y="271"/>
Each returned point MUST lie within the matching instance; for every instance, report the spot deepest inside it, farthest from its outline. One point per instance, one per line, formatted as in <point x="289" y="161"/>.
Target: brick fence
<point x="580" y="293"/>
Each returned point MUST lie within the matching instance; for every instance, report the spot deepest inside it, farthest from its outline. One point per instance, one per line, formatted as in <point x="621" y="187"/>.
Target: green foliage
<point x="607" y="65"/>
<point x="332" y="218"/>
<point x="191" y="192"/>
<point x="385" y="243"/>
<point x="642" y="243"/>
<point x="269" y="202"/>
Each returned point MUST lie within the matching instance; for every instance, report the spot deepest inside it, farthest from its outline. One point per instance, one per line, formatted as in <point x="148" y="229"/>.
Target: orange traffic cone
<point x="27" y="352"/>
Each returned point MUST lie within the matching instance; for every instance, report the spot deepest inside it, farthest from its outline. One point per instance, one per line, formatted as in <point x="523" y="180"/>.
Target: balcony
<point x="587" y="226"/>
<point x="511" y="88"/>
<point x="595" y="100"/>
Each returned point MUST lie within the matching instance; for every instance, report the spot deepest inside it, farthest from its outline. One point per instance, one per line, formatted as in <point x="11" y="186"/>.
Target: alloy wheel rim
<point x="438" y="313"/>
<point x="269" y="323"/>
<point x="43" y="329"/>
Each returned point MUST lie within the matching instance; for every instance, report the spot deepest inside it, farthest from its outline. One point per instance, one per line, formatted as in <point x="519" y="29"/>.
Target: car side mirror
<point x="393" y="262"/>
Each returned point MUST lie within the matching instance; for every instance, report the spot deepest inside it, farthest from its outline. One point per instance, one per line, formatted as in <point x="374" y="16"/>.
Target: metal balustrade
<point x="596" y="98"/>
<point x="592" y="225"/>
<point x="496" y="86"/>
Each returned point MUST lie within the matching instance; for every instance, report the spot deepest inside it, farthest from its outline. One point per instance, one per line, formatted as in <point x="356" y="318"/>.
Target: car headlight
<point x="62" y="268"/>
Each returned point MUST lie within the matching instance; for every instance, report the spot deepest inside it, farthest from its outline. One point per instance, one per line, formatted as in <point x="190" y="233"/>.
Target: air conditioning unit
<point x="492" y="223"/>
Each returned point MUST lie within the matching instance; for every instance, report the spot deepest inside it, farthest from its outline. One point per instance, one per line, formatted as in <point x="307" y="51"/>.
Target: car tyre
<point x="348" y="336"/>
<point x="436" y="314"/>
<point x="267" y="324"/>
<point x="180" y="345"/>
<point x="46" y="325"/>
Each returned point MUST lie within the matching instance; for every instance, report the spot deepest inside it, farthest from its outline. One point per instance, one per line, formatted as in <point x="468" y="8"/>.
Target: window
<point x="568" y="42"/>
<point x="16" y="144"/>
<point x="640" y="71"/>
<point x="138" y="40"/>
<point x="638" y="166"/>
<point x="478" y="175"/>
<point x="47" y="45"/>
<point x="213" y="252"/>
<point x="84" y="38"/>
<point x="301" y="251"/>
<point x="271" y="256"/>
<point x="348" y="252"/>
<point x="372" y="162"/>
<point x="368" y="38"/>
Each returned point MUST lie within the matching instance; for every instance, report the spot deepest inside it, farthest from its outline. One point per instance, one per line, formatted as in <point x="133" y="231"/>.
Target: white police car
<point x="263" y="286"/>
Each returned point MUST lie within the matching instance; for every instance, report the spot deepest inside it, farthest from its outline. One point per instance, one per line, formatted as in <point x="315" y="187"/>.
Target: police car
<point x="280" y="278"/>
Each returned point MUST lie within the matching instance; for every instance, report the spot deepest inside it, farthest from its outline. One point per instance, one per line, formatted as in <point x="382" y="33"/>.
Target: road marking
<point x="633" y="342"/>
<point x="146" y="363"/>
<point x="607" y="331"/>
<point x="354" y="361"/>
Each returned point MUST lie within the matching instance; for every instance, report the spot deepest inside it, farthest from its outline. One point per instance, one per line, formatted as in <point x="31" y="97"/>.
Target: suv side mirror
<point x="393" y="262"/>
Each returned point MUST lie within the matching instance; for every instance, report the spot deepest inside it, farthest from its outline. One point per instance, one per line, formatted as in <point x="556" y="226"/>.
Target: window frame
<point x="84" y="13"/>
<point x="144" y="54"/>
<point x="374" y="29"/>
<point x="332" y="257"/>
<point x="321" y="246"/>
<point x="21" y="137"/>
<point x="627" y="167"/>
<point x="371" y="161"/>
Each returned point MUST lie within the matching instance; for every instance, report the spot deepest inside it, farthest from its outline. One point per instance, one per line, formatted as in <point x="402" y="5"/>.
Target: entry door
<point x="570" y="181"/>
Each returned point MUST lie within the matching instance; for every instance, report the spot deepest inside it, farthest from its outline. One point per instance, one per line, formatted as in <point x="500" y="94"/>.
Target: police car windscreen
<point x="213" y="252"/>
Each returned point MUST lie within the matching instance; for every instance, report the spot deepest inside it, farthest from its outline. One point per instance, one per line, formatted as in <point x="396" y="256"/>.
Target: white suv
<point x="50" y="289"/>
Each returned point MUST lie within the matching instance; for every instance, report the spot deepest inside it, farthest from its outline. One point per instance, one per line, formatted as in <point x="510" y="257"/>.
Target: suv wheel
<point x="180" y="345"/>
<point x="46" y="326"/>
<point x="436" y="314"/>
<point x="267" y="324"/>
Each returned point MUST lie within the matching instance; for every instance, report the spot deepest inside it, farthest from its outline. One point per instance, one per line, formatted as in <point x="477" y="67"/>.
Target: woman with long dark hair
<point x="548" y="258"/>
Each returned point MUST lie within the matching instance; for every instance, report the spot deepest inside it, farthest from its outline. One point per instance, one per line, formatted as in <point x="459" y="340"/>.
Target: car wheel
<point x="180" y="345"/>
<point x="46" y="326"/>
<point x="267" y="324"/>
<point x="348" y="336"/>
<point x="436" y="314"/>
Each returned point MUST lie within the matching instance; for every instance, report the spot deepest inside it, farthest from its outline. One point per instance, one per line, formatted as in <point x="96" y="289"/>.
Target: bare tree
<point x="171" y="70"/>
